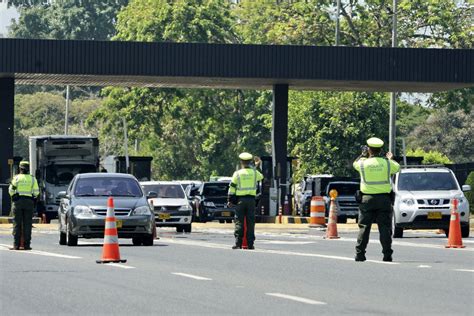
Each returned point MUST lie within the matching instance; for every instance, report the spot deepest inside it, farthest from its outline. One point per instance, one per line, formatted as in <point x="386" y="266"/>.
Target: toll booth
<point x="269" y="192"/>
<point x="139" y="166"/>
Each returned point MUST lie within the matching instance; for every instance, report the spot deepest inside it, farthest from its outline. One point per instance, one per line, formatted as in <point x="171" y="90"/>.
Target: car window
<point x="215" y="189"/>
<point x="165" y="191"/>
<point x="427" y="181"/>
<point x="343" y="188"/>
<point x="109" y="186"/>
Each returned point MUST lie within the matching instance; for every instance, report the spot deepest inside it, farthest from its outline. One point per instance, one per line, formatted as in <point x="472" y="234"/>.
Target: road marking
<point x="119" y="265"/>
<point x="423" y="266"/>
<point x="38" y="252"/>
<point x="196" y="277"/>
<point x="297" y="299"/>
<point x="463" y="270"/>
<point x="286" y="242"/>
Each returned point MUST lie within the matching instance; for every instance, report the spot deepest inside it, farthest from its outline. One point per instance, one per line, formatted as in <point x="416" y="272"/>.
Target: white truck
<point x="54" y="161"/>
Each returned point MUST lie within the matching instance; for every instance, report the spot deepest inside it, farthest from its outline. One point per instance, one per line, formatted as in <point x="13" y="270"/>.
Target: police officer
<point x="242" y="192"/>
<point x="375" y="185"/>
<point x="24" y="190"/>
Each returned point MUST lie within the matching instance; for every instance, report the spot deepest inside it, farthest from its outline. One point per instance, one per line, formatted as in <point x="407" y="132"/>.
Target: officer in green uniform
<point x="242" y="192"/>
<point x="23" y="190"/>
<point x="375" y="186"/>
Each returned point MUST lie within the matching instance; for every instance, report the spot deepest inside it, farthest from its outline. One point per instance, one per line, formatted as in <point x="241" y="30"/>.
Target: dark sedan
<point x="210" y="202"/>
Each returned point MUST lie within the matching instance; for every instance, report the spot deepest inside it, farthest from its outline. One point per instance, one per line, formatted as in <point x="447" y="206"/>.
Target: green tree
<point x="429" y="157"/>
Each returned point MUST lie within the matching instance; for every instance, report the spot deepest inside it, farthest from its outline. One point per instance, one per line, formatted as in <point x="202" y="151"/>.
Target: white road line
<point x="119" y="265"/>
<point x="424" y="266"/>
<point x="286" y="242"/>
<point x="297" y="299"/>
<point x="463" y="270"/>
<point x="40" y="253"/>
<point x="196" y="277"/>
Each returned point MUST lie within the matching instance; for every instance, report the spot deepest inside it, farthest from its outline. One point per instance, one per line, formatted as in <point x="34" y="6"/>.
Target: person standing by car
<point x="375" y="204"/>
<point x="242" y="192"/>
<point x="24" y="190"/>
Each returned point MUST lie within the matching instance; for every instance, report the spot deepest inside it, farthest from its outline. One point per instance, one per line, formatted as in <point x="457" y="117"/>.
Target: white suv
<point x="423" y="198"/>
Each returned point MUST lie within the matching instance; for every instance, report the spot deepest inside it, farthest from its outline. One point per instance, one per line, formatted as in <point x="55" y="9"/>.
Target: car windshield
<point x="426" y="181"/>
<point x="165" y="191"/>
<point x="63" y="174"/>
<point x="109" y="186"/>
<point x="343" y="188"/>
<point x="215" y="189"/>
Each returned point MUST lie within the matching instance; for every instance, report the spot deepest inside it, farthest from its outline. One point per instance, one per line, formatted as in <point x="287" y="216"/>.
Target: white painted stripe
<point x="109" y="225"/>
<point x="463" y="270"/>
<point x="196" y="277"/>
<point x="39" y="253"/>
<point x="297" y="299"/>
<point x="286" y="242"/>
<point x="110" y="240"/>
<point x="423" y="266"/>
<point x="119" y="265"/>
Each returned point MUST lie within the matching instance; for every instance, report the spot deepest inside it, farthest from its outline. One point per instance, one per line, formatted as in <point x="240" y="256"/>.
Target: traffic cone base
<point x="110" y="252"/>
<point x="454" y="238"/>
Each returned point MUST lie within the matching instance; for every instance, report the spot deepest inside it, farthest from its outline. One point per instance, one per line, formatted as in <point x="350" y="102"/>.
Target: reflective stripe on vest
<point x="362" y="171"/>
<point x="254" y="187"/>
<point x="24" y="192"/>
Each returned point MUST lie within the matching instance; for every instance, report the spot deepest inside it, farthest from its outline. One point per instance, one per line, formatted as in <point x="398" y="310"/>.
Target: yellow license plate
<point x="226" y="213"/>
<point x="434" y="215"/>
<point x="118" y="223"/>
<point x="164" y="216"/>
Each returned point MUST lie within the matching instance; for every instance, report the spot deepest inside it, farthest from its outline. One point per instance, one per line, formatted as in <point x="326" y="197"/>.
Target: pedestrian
<point x="375" y="203"/>
<point x="23" y="190"/>
<point x="242" y="192"/>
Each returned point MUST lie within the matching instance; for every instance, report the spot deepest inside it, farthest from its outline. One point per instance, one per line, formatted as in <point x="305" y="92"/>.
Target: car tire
<point x="187" y="228"/>
<point x="221" y="221"/>
<point x="179" y="229"/>
<point x="137" y="241"/>
<point x="147" y="240"/>
<point x="71" y="239"/>
<point x="465" y="231"/>
<point x="446" y="232"/>
<point x="62" y="238"/>
<point x="398" y="232"/>
<point x="228" y="221"/>
<point x="342" y="220"/>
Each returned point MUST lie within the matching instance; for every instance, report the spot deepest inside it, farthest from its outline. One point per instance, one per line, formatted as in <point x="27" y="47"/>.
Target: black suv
<point x="210" y="202"/>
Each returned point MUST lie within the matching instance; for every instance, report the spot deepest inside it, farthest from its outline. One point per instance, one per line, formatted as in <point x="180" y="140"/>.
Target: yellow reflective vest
<point x="244" y="182"/>
<point x="375" y="174"/>
<point x="24" y="185"/>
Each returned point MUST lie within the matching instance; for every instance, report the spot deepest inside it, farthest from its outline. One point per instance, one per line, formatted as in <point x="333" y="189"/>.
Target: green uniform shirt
<point x="375" y="174"/>
<point x="244" y="182"/>
<point x="24" y="185"/>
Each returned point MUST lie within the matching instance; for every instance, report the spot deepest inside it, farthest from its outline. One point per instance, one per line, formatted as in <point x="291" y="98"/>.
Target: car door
<point x="64" y="206"/>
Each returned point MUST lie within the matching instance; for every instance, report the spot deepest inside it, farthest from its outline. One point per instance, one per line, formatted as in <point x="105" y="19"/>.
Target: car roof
<point x="105" y="175"/>
<point x="160" y="182"/>
<point x="217" y="182"/>
<point x="427" y="169"/>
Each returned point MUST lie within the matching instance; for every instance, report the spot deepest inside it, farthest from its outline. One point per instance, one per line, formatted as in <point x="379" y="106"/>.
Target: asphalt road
<point x="293" y="271"/>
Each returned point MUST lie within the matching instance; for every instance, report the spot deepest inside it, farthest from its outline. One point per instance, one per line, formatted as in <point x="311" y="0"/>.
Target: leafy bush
<point x="430" y="157"/>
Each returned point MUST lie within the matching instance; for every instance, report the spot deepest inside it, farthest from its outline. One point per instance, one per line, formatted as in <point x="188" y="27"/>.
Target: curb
<point x="9" y="220"/>
<point x="284" y="219"/>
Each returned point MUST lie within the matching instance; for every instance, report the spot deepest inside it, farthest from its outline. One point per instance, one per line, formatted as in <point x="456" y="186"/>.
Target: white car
<point x="423" y="197"/>
<point x="171" y="207"/>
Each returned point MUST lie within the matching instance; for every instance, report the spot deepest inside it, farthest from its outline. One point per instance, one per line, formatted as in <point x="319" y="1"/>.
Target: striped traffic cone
<point x="455" y="238"/>
<point x="331" y="232"/>
<point x="110" y="252"/>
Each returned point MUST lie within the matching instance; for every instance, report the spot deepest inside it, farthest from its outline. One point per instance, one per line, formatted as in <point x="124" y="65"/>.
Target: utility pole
<point x="338" y="13"/>
<point x="66" y="118"/>
<point x="125" y="145"/>
<point x="393" y="95"/>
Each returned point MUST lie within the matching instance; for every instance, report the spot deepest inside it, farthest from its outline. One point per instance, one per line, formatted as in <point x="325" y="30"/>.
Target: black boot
<point x="236" y="247"/>
<point x="387" y="258"/>
<point x="360" y="257"/>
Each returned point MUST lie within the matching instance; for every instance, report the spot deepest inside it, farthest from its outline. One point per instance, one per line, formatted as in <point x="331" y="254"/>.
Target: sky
<point x="6" y="14"/>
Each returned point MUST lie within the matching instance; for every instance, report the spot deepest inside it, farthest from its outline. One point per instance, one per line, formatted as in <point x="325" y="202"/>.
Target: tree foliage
<point x="429" y="157"/>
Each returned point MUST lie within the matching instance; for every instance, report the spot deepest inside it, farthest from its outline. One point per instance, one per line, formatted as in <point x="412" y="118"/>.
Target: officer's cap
<point x="374" y="142"/>
<point x="24" y="164"/>
<point x="245" y="156"/>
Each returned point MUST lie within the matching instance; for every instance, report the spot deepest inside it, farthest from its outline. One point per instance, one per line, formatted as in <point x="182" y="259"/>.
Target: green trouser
<point x="375" y="208"/>
<point x="245" y="209"/>
<point x="22" y="220"/>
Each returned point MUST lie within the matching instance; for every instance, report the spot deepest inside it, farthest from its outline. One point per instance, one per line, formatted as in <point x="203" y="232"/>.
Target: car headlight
<point x="142" y="210"/>
<point x="210" y="204"/>
<point x="409" y="201"/>
<point x="185" y="208"/>
<point x="82" y="211"/>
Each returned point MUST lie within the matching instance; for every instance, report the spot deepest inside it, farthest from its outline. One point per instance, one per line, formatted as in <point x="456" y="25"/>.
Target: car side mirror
<point x="62" y="194"/>
<point x="466" y="188"/>
<point x="152" y="195"/>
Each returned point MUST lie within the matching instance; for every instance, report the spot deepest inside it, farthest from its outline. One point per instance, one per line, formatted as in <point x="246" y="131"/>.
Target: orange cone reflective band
<point x="244" y="238"/>
<point x="110" y="252"/>
<point x="455" y="237"/>
<point x="317" y="211"/>
<point x="331" y="232"/>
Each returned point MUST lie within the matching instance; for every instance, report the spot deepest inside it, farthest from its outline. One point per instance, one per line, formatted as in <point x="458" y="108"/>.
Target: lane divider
<point x="38" y="252"/>
<point x="191" y="276"/>
<point x="297" y="298"/>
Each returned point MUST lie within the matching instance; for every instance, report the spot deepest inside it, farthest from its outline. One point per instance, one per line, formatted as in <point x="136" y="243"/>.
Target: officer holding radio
<point x="375" y="203"/>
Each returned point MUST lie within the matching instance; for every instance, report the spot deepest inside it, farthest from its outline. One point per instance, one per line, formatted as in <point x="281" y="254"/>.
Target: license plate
<point x="118" y="223"/>
<point x="225" y="213"/>
<point x="434" y="215"/>
<point x="164" y="216"/>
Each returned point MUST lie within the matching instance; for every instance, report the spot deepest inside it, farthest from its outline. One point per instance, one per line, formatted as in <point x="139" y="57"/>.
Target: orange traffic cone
<point x="110" y="252"/>
<point x="244" y="238"/>
<point x="455" y="238"/>
<point x="331" y="232"/>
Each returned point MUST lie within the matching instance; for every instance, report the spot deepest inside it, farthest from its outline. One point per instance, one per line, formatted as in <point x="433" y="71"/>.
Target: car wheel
<point x="148" y="240"/>
<point x="62" y="238"/>
<point x="342" y="219"/>
<point x="398" y="232"/>
<point x="228" y="221"/>
<point x="446" y="231"/>
<point x="137" y="241"/>
<point x="465" y="231"/>
<point x="187" y="228"/>
<point x="71" y="239"/>
<point x="221" y="221"/>
<point x="179" y="229"/>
